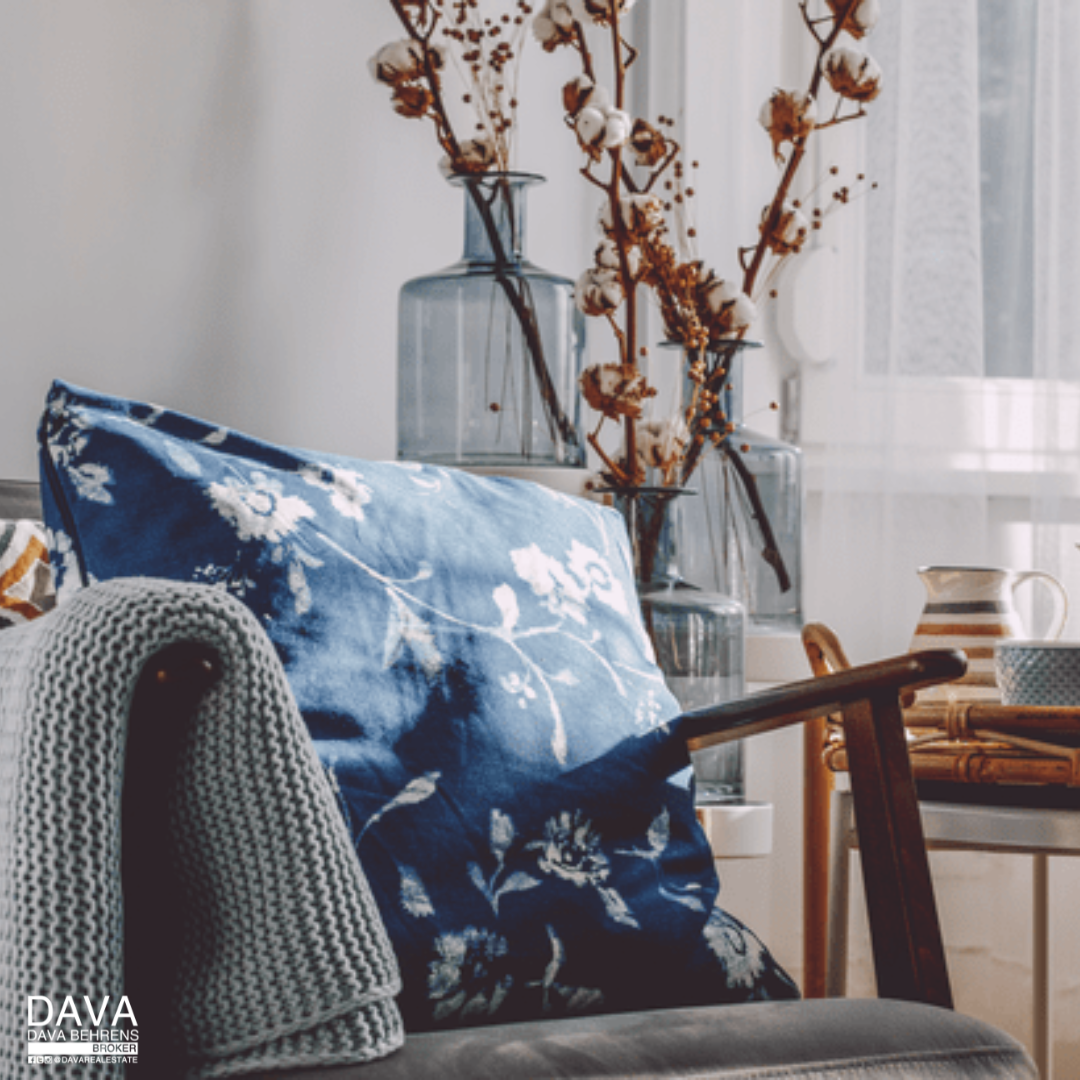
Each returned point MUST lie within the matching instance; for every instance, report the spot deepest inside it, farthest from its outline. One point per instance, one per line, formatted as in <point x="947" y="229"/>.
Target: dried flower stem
<point x="583" y="49"/>
<point x="620" y="476"/>
<point x="444" y="129"/>
<point x="520" y="299"/>
<point x="515" y="289"/>
<point x="714" y="382"/>
<point x="799" y="144"/>
<point x="836" y="118"/>
<point x="629" y="345"/>
<point x="650" y="244"/>
<point x="770" y="549"/>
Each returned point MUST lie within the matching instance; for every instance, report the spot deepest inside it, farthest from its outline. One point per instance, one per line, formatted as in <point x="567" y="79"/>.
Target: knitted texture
<point x="283" y="959"/>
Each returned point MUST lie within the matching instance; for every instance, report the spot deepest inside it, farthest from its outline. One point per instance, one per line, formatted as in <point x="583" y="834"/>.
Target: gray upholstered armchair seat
<point x="831" y="1040"/>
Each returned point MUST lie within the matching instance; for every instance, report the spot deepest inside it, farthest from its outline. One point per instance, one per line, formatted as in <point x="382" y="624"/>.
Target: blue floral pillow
<point x="470" y="660"/>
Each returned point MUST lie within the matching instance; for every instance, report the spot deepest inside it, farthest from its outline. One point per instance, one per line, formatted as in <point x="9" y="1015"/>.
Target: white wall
<point x="211" y="205"/>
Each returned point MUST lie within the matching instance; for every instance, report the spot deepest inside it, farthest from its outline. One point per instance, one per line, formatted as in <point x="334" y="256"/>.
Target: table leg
<point x="1042" y="1050"/>
<point x="815" y="860"/>
<point x="839" y="881"/>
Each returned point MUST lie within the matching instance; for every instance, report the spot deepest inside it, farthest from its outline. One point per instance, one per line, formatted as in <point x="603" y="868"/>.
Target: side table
<point x="1040" y="831"/>
<point x="989" y="777"/>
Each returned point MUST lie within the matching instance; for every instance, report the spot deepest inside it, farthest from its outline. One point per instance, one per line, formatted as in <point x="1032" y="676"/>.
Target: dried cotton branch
<point x="648" y="236"/>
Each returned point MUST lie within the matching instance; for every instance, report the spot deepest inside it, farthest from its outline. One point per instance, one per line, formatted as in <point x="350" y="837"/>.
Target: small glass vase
<point x="698" y="636"/>
<point x="490" y="349"/>
<point x="725" y="539"/>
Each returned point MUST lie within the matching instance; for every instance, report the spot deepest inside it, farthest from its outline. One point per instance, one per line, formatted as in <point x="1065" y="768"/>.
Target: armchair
<point x="165" y="828"/>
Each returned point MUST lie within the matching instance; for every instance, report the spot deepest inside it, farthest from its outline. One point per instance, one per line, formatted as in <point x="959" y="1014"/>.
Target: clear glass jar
<point x="725" y="541"/>
<point x="699" y="637"/>
<point x="490" y="349"/>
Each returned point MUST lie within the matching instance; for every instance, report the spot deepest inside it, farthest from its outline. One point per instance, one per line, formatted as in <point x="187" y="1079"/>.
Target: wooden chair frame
<point x="909" y="956"/>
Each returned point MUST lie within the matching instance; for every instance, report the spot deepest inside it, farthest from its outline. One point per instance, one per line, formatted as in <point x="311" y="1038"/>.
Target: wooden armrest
<point x="166" y="697"/>
<point x="194" y="668"/>
<point x="801" y="701"/>
<point x="909" y="956"/>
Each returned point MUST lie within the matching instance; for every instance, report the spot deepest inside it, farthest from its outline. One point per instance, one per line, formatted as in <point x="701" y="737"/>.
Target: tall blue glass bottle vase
<point x="726" y="542"/>
<point x="698" y="637"/>
<point x="490" y="349"/>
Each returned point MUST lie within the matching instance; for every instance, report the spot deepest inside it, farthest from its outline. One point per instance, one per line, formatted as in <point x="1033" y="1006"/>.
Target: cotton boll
<point x="412" y="100"/>
<point x="553" y="25"/>
<point x="862" y="20"/>
<point x="397" y="61"/>
<point x="641" y="215"/>
<point x="601" y="129"/>
<point x="790" y="231"/>
<point x="598" y="291"/>
<point x="617" y="126"/>
<point x="731" y="309"/>
<point x="581" y="92"/>
<point x="607" y="257"/>
<point x="719" y="292"/>
<point x="590" y="126"/>
<point x="477" y="156"/>
<point x="614" y="391"/>
<point x="743" y="313"/>
<point x="786" y="116"/>
<point x="660" y="443"/>
<point x="648" y="144"/>
<point x="598" y="11"/>
<point x="852" y="73"/>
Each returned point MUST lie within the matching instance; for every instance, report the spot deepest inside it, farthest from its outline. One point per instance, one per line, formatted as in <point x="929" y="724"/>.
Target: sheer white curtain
<point x="945" y="425"/>
<point x="945" y="428"/>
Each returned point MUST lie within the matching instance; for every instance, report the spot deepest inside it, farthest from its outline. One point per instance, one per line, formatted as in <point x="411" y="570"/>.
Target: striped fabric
<point x="26" y="579"/>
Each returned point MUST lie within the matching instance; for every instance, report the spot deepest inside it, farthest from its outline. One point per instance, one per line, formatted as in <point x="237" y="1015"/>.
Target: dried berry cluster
<point x="486" y="49"/>
<point x="647" y="243"/>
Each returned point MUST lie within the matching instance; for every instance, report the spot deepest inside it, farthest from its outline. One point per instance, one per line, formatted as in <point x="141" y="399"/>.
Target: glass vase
<point x="727" y="544"/>
<point x="698" y="636"/>
<point x="490" y="349"/>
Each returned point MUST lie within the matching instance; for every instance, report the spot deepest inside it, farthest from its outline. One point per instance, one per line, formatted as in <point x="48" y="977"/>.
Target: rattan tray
<point x="985" y="743"/>
<point x="971" y="742"/>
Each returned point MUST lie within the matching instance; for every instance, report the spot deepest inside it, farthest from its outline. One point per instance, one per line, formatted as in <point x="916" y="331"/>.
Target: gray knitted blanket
<point x="283" y="960"/>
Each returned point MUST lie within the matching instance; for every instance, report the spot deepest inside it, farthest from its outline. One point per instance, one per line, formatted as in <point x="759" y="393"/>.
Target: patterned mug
<point x="971" y="608"/>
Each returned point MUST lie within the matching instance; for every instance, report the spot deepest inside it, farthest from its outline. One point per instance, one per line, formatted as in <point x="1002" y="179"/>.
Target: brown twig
<point x="515" y="289"/>
<point x="798" y="151"/>
<point x="447" y="138"/>
<point x="838" y="119"/>
<point x="617" y="474"/>
<point x="525" y="311"/>
<point x="583" y="49"/>
<point x="622" y="245"/>
<point x="770" y="550"/>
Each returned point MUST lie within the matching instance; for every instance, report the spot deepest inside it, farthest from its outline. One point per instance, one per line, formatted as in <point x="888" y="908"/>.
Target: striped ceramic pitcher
<point x="970" y="608"/>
